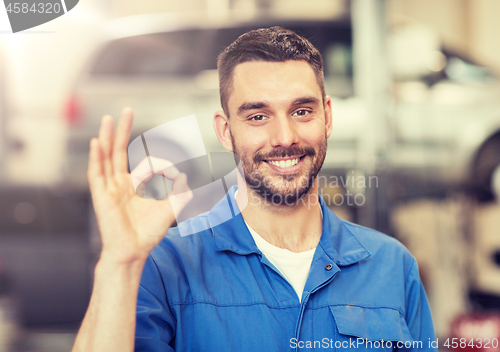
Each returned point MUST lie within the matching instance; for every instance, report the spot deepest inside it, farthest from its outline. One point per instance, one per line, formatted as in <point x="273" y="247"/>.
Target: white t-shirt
<point x="293" y="266"/>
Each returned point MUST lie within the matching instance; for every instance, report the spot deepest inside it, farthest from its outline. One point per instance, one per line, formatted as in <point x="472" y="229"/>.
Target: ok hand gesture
<point x="130" y="226"/>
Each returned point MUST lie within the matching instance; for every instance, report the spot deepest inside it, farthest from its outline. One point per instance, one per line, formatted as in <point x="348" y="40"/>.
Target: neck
<point x="296" y="227"/>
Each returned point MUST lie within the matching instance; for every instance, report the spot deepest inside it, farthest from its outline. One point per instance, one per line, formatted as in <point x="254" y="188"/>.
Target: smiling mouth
<point x="284" y="163"/>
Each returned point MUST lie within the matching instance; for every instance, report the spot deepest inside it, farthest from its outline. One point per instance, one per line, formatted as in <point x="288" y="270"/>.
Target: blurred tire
<point x="484" y="185"/>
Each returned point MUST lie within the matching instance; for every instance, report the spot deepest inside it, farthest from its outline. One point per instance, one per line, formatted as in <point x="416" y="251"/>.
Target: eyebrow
<point x="306" y="100"/>
<point x="260" y="104"/>
<point x="252" y="106"/>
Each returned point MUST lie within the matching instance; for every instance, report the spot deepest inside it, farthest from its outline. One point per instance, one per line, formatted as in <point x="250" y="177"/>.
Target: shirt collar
<point x="337" y="241"/>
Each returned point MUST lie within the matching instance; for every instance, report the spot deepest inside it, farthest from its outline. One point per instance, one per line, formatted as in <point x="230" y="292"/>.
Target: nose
<point x="284" y="132"/>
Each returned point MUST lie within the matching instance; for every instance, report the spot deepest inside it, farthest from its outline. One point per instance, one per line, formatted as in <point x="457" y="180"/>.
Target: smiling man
<point x="284" y="273"/>
<point x="284" y="119"/>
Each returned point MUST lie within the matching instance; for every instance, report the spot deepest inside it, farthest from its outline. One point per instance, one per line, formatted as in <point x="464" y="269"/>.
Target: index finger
<point x="122" y="136"/>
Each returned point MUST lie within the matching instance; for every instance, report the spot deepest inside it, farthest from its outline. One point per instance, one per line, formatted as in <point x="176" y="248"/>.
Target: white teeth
<point x="284" y="164"/>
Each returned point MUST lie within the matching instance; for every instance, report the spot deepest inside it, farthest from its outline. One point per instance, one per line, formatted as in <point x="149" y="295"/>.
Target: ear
<point x="328" y="116"/>
<point x="221" y="127"/>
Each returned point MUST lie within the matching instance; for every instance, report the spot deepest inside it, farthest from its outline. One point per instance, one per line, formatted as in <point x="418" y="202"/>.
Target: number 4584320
<point x="23" y="7"/>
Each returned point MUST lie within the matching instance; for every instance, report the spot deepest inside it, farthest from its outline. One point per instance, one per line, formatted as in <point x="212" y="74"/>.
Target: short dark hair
<point x="274" y="44"/>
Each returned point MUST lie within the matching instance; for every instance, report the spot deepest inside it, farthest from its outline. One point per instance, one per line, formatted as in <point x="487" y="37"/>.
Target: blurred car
<point x="443" y="126"/>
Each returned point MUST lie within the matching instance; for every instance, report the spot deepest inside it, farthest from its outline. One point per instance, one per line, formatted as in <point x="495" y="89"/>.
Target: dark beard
<point x="299" y="185"/>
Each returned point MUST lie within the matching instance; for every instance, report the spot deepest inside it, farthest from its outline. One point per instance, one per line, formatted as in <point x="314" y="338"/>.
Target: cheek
<point x="250" y="142"/>
<point x="314" y="135"/>
<point x="313" y="138"/>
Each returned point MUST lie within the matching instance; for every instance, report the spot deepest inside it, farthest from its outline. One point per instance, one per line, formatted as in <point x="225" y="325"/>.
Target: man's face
<point x="278" y="127"/>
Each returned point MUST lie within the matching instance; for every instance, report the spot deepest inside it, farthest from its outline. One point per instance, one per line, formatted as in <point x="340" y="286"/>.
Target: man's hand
<point x="130" y="226"/>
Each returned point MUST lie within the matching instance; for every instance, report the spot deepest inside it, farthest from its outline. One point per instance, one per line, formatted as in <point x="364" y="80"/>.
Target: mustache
<point x="284" y="153"/>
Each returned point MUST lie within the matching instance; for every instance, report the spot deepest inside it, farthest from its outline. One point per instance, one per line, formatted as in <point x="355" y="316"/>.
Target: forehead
<point x="272" y="82"/>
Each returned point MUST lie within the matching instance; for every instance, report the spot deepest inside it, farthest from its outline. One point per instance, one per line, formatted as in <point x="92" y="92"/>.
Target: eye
<point x="301" y="112"/>
<point x="258" y="118"/>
